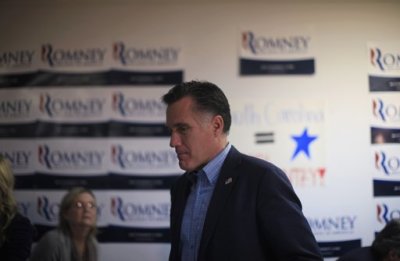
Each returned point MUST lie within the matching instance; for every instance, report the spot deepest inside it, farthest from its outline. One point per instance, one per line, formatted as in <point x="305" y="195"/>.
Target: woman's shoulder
<point x="53" y="245"/>
<point x="19" y="237"/>
<point x="21" y="224"/>
<point x="53" y="237"/>
<point x="20" y="220"/>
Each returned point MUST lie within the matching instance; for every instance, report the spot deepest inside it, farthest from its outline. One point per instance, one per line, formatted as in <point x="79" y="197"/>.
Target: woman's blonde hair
<point x="8" y="205"/>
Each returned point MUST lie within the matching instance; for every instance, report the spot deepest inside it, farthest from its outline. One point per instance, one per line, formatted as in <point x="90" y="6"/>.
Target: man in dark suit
<point x="227" y="206"/>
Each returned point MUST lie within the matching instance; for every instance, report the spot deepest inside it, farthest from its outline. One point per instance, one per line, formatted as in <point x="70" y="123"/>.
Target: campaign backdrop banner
<point x="91" y="115"/>
<point x="384" y="87"/>
<point x="384" y="67"/>
<point x="272" y="51"/>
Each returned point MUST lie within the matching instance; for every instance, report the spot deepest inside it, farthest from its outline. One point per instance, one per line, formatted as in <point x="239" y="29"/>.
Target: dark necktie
<point x="192" y="176"/>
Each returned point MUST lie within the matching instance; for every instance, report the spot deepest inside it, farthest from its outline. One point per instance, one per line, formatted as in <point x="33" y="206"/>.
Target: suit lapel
<point x="182" y="192"/>
<point x="223" y="188"/>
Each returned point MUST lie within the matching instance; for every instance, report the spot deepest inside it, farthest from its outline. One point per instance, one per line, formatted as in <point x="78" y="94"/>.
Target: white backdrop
<point x="339" y="204"/>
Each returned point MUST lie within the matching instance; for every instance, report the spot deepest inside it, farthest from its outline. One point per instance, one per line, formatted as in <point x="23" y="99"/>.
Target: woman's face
<point x="83" y="211"/>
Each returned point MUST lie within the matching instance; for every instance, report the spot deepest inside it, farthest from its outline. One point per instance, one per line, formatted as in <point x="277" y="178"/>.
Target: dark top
<point x="19" y="236"/>
<point x="359" y="254"/>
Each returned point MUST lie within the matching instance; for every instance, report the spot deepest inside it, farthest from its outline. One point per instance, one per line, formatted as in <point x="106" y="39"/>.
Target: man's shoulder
<point x="249" y="161"/>
<point x="252" y="166"/>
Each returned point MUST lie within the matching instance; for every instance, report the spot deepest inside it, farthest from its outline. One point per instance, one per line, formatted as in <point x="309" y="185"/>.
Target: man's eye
<point x="182" y="129"/>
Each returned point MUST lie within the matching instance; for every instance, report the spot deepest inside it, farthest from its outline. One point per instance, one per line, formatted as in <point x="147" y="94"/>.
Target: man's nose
<point x="174" y="140"/>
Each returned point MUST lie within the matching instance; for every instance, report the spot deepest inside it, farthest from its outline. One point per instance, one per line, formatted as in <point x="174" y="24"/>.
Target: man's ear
<point x="218" y="124"/>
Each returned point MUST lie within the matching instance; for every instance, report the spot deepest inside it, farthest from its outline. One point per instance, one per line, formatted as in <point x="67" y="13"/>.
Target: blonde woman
<point x="75" y="237"/>
<point x="16" y="231"/>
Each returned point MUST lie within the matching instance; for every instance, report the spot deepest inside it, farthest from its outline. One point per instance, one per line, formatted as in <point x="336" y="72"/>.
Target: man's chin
<point x="184" y="166"/>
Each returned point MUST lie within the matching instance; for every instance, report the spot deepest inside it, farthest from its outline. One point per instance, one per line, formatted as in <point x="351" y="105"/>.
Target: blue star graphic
<point x="303" y="142"/>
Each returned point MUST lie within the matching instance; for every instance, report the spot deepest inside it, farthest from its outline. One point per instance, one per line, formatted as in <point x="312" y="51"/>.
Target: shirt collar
<point x="213" y="168"/>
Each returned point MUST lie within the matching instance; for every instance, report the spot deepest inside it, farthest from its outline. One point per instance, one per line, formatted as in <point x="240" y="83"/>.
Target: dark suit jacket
<point x="253" y="215"/>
